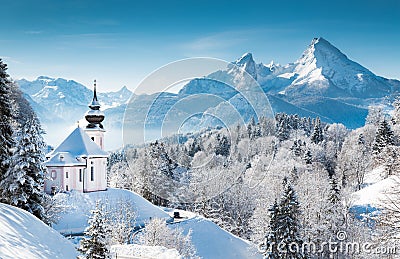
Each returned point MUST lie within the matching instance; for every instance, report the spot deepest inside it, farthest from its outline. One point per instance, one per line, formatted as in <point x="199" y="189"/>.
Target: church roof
<point x="76" y="146"/>
<point x="64" y="159"/>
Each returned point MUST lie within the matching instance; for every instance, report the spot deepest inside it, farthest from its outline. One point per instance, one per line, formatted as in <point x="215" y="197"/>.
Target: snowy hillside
<point x="376" y="188"/>
<point x="213" y="242"/>
<point x="75" y="221"/>
<point x="24" y="236"/>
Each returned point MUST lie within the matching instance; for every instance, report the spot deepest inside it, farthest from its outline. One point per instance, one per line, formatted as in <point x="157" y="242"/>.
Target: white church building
<point x="79" y="162"/>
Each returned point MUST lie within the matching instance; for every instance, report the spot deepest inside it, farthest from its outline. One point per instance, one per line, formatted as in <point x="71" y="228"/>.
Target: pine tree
<point x="283" y="239"/>
<point x="383" y="138"/>
<point x="308" y="157"/>
<point x="287" y="223"/>
<point x="95" y="243"/>
<point x="317" y="135"/>
<point x="271" y="243"/>
<point x="22" y="184"/>
<point x="223" y="145"/>
<point x="6" y="121"/>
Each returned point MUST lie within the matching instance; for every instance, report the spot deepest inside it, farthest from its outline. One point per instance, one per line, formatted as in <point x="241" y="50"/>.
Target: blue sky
<point x="120" y="42"/>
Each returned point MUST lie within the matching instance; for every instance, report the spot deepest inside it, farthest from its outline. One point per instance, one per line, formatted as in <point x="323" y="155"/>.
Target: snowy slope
<point x="24" y="236"/>
<point x="75" y="221"/>
<point x="213" y="242"/>
<point x="376" y="188"/>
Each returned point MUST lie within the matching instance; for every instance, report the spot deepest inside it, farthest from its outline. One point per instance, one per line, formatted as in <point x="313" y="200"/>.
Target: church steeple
<point x="94" y="105"/>
<point x="94" y="116"/>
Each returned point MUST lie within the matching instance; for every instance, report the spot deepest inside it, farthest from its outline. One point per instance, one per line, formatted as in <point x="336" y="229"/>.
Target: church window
<point x="66" y="188"/>
<point x="54" y="174"/>
<point x="92" y="173"/>
<point x="80" y="175"/>
<point x="66" y="174"/>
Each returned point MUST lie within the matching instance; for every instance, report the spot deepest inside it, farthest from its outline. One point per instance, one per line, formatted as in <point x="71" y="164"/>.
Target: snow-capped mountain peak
<point x="246" y="62"/>
<point x="324" y="68"/>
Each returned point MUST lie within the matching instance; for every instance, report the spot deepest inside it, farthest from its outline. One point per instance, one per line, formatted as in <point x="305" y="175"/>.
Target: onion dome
<point x="94" y="116"/>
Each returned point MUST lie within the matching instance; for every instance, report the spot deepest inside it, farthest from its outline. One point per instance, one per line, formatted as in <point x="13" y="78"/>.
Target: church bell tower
<point x="95" y="117"/>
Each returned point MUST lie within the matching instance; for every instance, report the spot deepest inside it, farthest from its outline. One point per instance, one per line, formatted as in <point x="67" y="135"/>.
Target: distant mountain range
<point x="322" y="82"/>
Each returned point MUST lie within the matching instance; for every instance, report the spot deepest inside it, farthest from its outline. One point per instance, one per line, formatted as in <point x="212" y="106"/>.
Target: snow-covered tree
<point x="95" y="243"/>
<point x="283" y="239"/>
<point x="120" y="220"/>
<point x="383" y="137"/>
<point x="375" y="115"/>
<point x="270" y="245"/>
<point x="157" y="233"/>
<point x="22" y="184"/>
<point x="6" y="121"/>
<point x="56" y="205"/>
<point x="317" y="136"/>
<point x="353" y="161"/>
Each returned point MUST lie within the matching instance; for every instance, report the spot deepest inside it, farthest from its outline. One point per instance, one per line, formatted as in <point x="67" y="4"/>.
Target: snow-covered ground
<point x="376" y="188"/>
<point x="211" y="241"/>
<point x="75" y="221"/>
<point x="22" y="235"/>
<point x="208" y="238"/>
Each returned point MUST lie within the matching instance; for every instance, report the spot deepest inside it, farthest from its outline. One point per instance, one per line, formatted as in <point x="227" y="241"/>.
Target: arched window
<point x="66" y="174"/>
<point x="80" y="175"/>
<point x="66" y="188"/>
<point x="54" y="174"/>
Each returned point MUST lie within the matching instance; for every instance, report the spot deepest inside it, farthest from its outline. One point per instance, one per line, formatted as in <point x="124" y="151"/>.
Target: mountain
<point x="60" y="103"/>
<point x="324" y="70"/>
<point x="323" y="82"/>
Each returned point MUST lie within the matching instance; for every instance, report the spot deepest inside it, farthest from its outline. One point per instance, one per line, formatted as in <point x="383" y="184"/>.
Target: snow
<point x="375" y="194"/>
<point x="142" y="251"/>
<point x="22" y="235"/>
<point x="211" y="241"/>
<point x="64" y="159"/>
<point x="287" y="75"/>
<point x="75" y="221"/>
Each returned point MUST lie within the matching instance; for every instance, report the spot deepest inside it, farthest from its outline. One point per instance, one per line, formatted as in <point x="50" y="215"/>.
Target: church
<point x="79" y="162"/>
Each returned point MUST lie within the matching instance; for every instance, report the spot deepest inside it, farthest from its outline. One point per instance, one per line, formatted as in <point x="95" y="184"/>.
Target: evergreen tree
<point x="383" y="138"/>
<point x="308" y="157"/>
<point x="287" y="223"/>
<point x="283" y="239"/>
<point x="22" y="184"/>
<point x="223" y="145"/>
<point x="95" y="243"/>
<point x="396" y="111"/>
<point x="282" y="126"/>
<point x="317" y="136"/>
<point x="6" y="121"/>
<point x="271" y="249"/>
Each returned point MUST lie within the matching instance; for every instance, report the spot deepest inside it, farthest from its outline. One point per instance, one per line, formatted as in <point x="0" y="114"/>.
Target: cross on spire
<point x="94" y="92"/>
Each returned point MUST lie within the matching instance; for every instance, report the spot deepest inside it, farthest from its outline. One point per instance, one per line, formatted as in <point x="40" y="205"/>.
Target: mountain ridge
<point x="322" y="82"/>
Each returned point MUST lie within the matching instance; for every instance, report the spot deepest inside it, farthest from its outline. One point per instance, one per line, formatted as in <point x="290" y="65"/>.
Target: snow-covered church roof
<point x="74" y="149"/>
